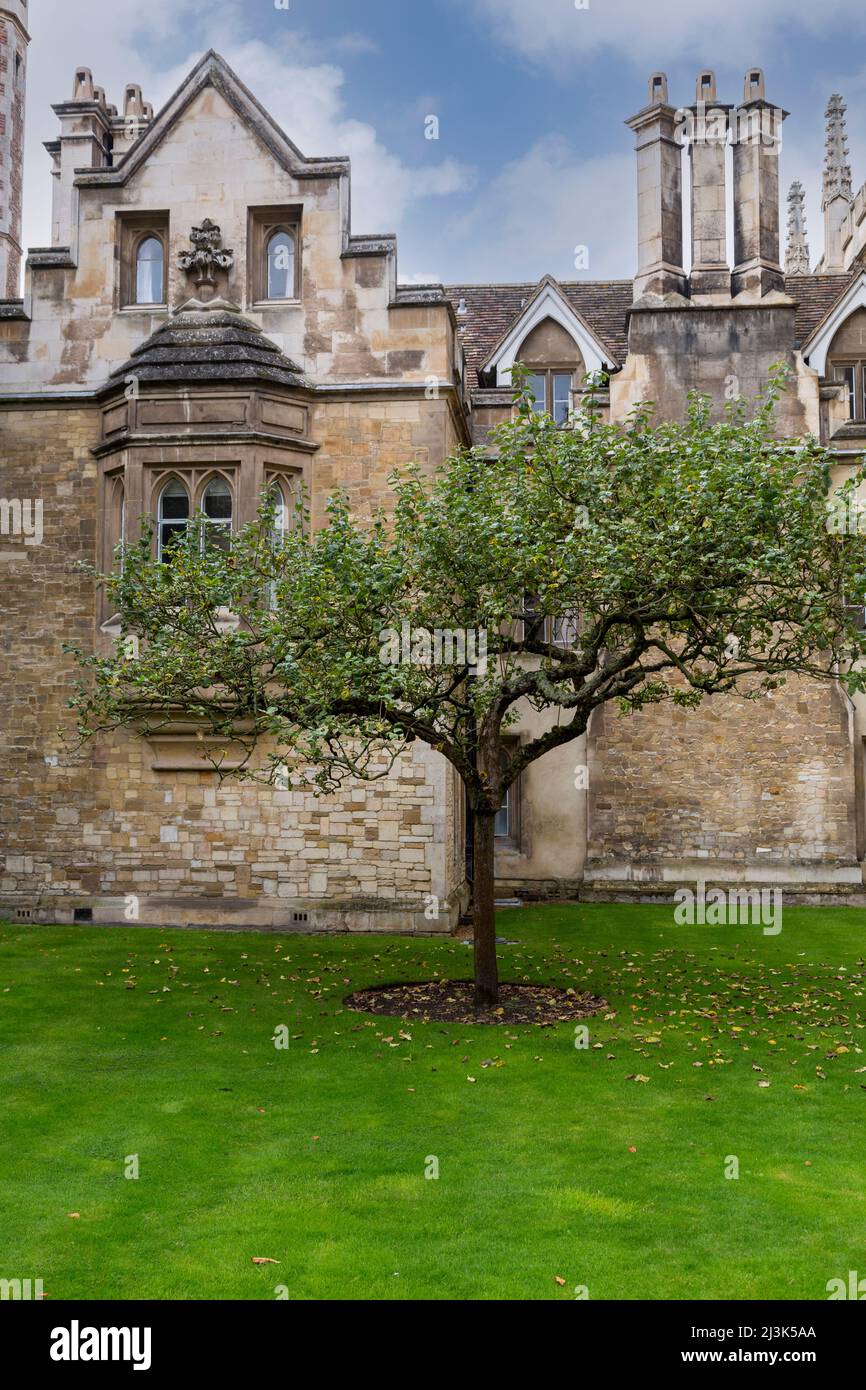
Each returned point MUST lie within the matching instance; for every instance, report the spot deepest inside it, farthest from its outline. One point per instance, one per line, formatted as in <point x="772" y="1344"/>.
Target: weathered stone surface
<point x="355" y="378"/>
<point x="766" y="784"/>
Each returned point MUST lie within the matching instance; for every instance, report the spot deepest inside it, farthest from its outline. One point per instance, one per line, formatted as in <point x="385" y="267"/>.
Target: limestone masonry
<point x="206" y="324"/>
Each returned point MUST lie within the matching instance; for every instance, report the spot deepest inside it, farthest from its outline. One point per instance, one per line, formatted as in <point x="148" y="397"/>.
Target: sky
<point x="532" y="160"/>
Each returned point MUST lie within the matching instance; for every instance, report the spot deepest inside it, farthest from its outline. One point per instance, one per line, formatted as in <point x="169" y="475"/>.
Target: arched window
<point x="846" y="362"/>
<point x="120" y="518"/>
<point x="277" y="496"/>
<point x="115" y="523"/>
<point x="281" y="266"/>
<point x="173" y="516"/>
<point x="217" y="508"/>
<point x="150" y="272"/>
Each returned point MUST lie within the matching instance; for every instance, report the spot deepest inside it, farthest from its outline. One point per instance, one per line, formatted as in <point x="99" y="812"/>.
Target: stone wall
<point x="363" y="441"/>
<point x="721" y="351"/>
<point x="673" y="793"/>
<point x="86" y="829"/>
<point x="346" y="326"/>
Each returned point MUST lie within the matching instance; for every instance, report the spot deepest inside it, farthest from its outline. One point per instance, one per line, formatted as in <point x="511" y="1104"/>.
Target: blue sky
<point x="532" y="158"/>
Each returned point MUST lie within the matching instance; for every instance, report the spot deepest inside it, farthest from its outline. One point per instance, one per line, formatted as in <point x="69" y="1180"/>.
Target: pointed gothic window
<point x="279" y="529"/>
<point x="217" y="508"/>
<point x="150" y="272"/>
<point x="172" y="518"/>
<point x="277" y="497"/>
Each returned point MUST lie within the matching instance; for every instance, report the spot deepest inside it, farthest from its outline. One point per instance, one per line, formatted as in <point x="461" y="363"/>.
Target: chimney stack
<point x="84" y="142"/>
<point x="659" y="195"/>
<point x="756" y="129"/>
<point x="137" y="117"/>
<point x="710" y="272"/>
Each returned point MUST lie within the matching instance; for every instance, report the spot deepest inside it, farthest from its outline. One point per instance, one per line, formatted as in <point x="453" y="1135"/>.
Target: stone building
<point x="206" y="325"/>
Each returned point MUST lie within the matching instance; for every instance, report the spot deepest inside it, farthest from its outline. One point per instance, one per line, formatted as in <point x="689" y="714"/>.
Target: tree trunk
<point x="484" y="913"/>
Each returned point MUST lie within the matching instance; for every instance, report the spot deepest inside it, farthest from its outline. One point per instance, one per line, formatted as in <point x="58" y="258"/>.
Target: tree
<point x="636" y="564"/>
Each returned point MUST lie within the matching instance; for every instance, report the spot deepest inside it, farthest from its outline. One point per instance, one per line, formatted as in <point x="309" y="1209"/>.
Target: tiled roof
<point x="815" y="296"/>
<point x="491" y="309"/>
<point x="604" y="304"/>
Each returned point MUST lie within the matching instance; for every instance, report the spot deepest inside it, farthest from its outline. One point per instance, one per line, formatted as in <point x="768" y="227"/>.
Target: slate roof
<point x="208" y="345"/>
<point x="815" y="296"/>
<point x="491" y="310"/>
<point x="604" y="305"/>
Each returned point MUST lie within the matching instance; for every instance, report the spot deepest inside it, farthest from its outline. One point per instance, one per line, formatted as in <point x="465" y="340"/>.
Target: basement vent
<point x="300" y="916"/>
<point x="24" y="914"/>
<point x="82" y="914"/>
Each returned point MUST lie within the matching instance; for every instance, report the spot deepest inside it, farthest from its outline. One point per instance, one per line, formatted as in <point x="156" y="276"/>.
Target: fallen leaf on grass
<point x="263" y="1260"/>
<point x="559" y="1280"/>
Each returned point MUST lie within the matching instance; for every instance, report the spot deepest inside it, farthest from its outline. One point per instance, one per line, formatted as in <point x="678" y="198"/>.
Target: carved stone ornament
<point x="206" y="255"/>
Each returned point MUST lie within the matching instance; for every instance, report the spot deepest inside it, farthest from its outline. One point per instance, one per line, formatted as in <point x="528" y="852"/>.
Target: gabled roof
<point x="850" y="294"/>
<point x="214" y="71"/>
<point x="491" y="312"/>
<point x="548" y="302"/>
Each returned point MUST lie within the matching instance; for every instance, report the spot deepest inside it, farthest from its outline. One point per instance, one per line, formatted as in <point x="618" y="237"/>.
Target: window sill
<point x="852" y="429"/>
<point x="276" y="304"/>
<point x="143" y="309"/>
<point x="506" y="844"/>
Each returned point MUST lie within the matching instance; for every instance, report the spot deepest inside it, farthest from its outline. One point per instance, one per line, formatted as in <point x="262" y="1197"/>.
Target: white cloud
<point x="287" y="74"/>
<point x="542" y="205"/>
<point x="654" y="33"/>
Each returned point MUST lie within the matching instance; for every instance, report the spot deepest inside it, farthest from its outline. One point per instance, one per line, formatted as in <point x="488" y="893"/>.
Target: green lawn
<point x="116" y="1042"/>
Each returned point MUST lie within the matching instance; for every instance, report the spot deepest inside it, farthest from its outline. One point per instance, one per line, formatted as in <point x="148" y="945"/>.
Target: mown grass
<point x="552" y="1162"/>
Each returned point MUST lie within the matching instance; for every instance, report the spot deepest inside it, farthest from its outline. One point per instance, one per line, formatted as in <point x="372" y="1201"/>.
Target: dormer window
<point x="847" y="363"/>
<point x="851" y="375"/>
<point x="555" y="367"/>
<point x="551" y="393"/>
<point x="150" y="271"/>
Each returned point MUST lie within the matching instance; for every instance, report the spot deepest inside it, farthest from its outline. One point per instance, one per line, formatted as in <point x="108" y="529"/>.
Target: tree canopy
<point x="559" y="569"/>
